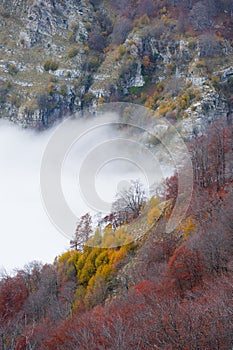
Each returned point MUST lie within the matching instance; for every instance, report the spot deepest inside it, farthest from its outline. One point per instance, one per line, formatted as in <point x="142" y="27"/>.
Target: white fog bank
<point x="26" y="233"/>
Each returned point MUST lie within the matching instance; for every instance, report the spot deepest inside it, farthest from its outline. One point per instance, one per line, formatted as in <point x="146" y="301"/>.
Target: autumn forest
<point x="114" y="288"/>
<point x="162" y="291"/>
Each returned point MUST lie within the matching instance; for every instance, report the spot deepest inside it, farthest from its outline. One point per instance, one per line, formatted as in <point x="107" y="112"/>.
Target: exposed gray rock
<point x="210" y="108"/>
<point x="45" y="30"/>
<point x="226" y="74"/>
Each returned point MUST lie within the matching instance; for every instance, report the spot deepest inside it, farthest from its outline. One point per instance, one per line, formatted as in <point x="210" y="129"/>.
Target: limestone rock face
<point x="33" y="33"/>
<point x="48" y="18"/>
<point x="49" y="67"/>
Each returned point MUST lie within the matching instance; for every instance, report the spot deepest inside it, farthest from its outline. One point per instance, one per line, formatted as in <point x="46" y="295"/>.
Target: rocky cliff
<point x="42" y="59"/>
<point x="58" y="57"/>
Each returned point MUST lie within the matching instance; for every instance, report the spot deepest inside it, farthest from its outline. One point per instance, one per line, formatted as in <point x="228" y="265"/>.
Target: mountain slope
<point x="162" y="291"/>
<point x="58" y="57"/>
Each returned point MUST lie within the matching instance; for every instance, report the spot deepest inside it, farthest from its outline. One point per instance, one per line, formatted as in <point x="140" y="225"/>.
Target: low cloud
<point x="26" y="232"/>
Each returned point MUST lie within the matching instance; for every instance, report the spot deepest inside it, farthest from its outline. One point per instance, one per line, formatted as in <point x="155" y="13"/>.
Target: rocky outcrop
<point x="33" y="33"/>
<point x="48" y="18"/>
<point x="47" y="68"/>
<point x="210" y="108"/>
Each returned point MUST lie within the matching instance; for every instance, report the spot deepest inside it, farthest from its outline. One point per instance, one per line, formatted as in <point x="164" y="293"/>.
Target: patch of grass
<point x="51" y="65"/>
<point x="12" y="69"/>
<point x="72" y="52"/>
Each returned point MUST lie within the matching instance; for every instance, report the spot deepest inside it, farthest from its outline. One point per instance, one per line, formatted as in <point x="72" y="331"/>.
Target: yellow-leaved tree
<point x="188" y="227"/>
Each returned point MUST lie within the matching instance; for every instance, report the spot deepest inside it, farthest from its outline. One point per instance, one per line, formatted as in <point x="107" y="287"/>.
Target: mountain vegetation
<point x="127" y="284"/>
<point x="59" y="57"/>
<point x="158" y="290"/>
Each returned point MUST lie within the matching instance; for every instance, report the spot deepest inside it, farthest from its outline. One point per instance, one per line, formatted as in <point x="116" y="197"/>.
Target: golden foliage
<point x="153" y="215"/>
<point x="188" y="227"/>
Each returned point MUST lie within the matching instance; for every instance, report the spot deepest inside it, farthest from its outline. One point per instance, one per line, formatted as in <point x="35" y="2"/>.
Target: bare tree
<point x="199" y="16"/>
<point x="121" y="29"/>
<point x="83" y="232"/>
<point x="131" y="200"/>
<point x="146" y="7"/>
<point x="209" y="46"/>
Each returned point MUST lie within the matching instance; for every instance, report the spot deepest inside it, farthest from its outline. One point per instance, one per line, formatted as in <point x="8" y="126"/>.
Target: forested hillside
<point x="163" y="291"/>
<point x="116" y="289"/>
